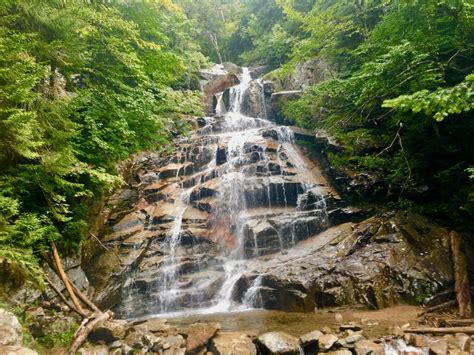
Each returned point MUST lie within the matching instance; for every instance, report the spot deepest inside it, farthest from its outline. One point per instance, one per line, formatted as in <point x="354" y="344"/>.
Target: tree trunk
<point x="461" y="277"/>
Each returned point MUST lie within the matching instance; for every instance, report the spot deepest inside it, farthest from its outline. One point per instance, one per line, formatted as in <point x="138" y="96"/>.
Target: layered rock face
<point x="238" y="216"/>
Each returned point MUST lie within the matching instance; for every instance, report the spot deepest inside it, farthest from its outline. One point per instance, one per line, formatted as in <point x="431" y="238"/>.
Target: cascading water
<point x="250" y="187"/>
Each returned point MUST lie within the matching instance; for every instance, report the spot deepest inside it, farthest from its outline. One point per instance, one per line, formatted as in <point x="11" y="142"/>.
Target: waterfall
<point x="251" y="187"/>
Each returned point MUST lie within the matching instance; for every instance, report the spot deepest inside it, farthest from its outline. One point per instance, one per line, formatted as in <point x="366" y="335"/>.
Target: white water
<point x="237" y="130"/>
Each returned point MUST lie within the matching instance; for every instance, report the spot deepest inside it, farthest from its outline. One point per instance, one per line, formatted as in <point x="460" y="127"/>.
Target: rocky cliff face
<point x="240" y="216"/>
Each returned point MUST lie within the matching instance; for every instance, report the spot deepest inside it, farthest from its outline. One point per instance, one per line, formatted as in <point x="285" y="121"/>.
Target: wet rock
<point x="215" y="80"/>
<point x="278" y="343"/>
<point x="344" y="265"/>
<point x="278" y="101"/>
<point x="198" y="334"/>
<point x="368" y="347"/>
<point x="221" y="156"/>
<point x="230" y="343"/>
<point x="108" y="332"/>
<point x="10" y="329"/>
<point x="253" y="100"/>
<point x="327" y="341"/>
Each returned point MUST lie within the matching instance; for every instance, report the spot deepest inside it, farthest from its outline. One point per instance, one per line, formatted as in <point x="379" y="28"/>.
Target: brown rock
<point x="198" y="334"/>
<point x="462" y="342"/>
<point x="368" y="347"/>
<point x="279" y="343"/>
<point x="310" y="338"/>
<point x="327" y="341"/>
<point x="439" y="347"/>
<point x="339" y="352"/>
<point x="230" y="343"/>
<point x="108" y="332"/>
<point x="416" y="340"/>
<point x="156" y="325"/>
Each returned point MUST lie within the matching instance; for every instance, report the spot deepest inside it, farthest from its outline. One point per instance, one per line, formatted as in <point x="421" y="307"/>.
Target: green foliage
<point x="58" y="339"/>
<point x="439" y="103"/>
<point x="401" y="95"/>
<point x="82" y="86"/>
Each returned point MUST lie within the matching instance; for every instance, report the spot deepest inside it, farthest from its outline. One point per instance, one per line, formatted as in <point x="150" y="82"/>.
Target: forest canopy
<point x="83" y="84"/>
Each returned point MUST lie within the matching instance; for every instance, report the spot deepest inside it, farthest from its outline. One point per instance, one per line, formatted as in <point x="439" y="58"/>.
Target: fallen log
<point x="438" y="307"/>
<point x="451" y="330"/>
<point x="64" y="279"/>
<point x="461" y="276"/>
<point x="86" y="327"/>
<point x="457" y="322"/>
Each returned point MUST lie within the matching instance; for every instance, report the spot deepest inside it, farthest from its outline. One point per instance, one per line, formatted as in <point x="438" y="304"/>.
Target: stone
<point x="10" y="329"/>
<point x="198" y="334"/>
<point x="416" y="340"/>
<point x="279" y="343"/>
<point x="37" y="313"/>
<point x="350" y="326"/>
<point x="156" y="325"/>
<point x="94" y="350"/>
<point x="462" y="342"/>
<point x="438" y="347"/>
<point x="230" y="343"/>
<point x="457" y="352"/>
<point x="108" y="332"/>
<point x="16" y="350"/>
<point x="327" y="341"/>
<point x="368" y="347"/>
<point x="310" y="338"/>
<point x="351" y="339"/>
<point x="172" y="341"/>
<point x="326" y="330"/>
<point x="340" y="352"/>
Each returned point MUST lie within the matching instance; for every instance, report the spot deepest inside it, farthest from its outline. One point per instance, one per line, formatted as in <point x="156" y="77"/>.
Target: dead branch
<point x="63" y="299"/>
<point x="79" y="294"/>
<point x="452" y="330"/>
<point x="99" y="241"/>
<point x="459" y="322"/>
<point x="86" y="327"/>
<point x="64" y="278"/>
<point x="438" y="307"/>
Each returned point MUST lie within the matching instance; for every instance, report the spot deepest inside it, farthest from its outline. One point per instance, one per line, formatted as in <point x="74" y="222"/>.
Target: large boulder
<point x="253" y="101"/>
<point x="199" y="334"/>
<point x="379" y="262"/>
<point x="215" y="80"/>
<point x="11" y="335"/>
<point x="278" y="101"/>
<point x="230" y="343"/>
<point x="278" y="343"/>
<point x="303" y="76"/>
<point x="10" y="329"/>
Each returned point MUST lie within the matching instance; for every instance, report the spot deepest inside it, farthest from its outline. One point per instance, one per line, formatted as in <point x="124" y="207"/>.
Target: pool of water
<point x="374" y="323"/>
